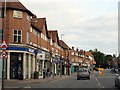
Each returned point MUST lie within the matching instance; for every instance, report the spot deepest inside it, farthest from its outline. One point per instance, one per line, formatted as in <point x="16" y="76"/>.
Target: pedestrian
<point x="20" y="75"/>
<point x="44" y="72"/>
<point x="47" y="72"/>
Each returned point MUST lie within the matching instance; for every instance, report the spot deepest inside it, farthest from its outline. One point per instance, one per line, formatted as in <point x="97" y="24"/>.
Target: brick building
<point x="31" y="47"/>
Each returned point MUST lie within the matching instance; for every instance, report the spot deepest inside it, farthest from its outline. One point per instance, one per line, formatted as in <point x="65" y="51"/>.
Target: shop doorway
<point x="16" y="63"/>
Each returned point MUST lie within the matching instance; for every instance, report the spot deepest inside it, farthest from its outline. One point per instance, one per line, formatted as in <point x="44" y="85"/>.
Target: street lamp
<point x="61" y="56"/>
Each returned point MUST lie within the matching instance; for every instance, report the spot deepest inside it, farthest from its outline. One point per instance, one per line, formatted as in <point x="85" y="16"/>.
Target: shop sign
<point x="53" y="55"/>
<point x="47" y="56"/>
<point x="31" y="50"/>
<point x="39" y="56"/>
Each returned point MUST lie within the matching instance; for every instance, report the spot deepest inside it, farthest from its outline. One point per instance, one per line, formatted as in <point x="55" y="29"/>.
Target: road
<point x="97" y="81"/>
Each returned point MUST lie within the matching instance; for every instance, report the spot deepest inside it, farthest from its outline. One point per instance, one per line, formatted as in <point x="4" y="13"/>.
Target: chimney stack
<point x="72" y="48"/>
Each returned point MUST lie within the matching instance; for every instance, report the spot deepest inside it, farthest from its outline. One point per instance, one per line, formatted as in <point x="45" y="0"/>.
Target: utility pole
<point x="4" y="34"/>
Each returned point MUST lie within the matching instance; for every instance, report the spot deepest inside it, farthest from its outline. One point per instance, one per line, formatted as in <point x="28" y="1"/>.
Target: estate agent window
<point x="17" y="36"/>
<point x="17" y="14"/>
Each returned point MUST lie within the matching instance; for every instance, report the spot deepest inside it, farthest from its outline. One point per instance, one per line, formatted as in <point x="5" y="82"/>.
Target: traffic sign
<point x="4" y="45"/>
<point x="4" y="55"/>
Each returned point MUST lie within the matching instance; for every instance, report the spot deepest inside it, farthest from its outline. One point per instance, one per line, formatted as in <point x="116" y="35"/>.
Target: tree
<point x="100" y="58"/>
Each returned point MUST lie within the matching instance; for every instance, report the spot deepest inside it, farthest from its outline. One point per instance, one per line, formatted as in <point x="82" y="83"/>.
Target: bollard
<point x="100" y="73"/>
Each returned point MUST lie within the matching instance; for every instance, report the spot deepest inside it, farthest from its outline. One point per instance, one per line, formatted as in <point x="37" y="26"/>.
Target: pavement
<point x="21" y="83"/>
<point x="0" y="84"/>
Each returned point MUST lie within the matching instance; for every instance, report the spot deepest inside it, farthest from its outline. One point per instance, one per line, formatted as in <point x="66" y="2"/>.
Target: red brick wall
<point x="15" y="23"/>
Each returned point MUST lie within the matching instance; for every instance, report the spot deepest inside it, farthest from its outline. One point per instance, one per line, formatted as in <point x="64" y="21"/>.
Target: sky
<point x="86" y="24"/>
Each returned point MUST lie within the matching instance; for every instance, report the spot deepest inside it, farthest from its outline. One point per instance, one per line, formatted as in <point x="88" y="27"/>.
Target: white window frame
<point x="28" y="38"/>
<point x="17" y="14"/>
<point x="17" y="35"/>
<point x="51" y="42"/>
<point x="31" y="29"/>
<point x="72" y="53"/>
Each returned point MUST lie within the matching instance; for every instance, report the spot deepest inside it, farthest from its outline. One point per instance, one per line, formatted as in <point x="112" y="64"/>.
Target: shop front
<point x="40" y="63"/>
<point x="75" y="66"/>
<point x="43" y="61"/>
<point x="57" y="64"/>
<point x="47" y="60"/>
<point x="20" y="62"/>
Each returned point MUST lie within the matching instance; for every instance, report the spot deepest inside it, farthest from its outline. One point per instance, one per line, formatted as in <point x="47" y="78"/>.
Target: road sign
<point x="4" y="45"/>
<point x="4" y="55"/>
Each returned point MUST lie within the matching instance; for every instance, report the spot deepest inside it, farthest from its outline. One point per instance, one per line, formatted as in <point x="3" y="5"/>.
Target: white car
<point x="117" y="81"/>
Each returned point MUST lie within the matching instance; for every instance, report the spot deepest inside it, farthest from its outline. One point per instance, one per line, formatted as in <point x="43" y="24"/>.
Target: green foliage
<point x="101" y="59"/>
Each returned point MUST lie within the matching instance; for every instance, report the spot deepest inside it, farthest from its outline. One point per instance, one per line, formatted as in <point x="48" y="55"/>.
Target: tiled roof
<point x="88" y="53"/>
<point x="54" y="35"/>
<point x="39" y="23"/>
<point x="63" y="44"/>
<point x="49" y="34"/>
<point x="15" y="5"/>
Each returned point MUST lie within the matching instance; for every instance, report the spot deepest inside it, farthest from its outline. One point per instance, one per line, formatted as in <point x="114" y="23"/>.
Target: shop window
<point x="17" y="36"/>
<point x="1" y="35"/>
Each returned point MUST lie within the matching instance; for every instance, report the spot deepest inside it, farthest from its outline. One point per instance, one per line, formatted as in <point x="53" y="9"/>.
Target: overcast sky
<point x="86" y="24"/>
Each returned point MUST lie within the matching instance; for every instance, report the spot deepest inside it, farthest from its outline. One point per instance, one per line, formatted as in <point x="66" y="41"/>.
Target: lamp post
<point x="61" y="56"/>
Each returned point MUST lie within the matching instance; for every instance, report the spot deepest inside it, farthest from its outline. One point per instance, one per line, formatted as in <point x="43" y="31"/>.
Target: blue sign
<point x="21" y="49"/>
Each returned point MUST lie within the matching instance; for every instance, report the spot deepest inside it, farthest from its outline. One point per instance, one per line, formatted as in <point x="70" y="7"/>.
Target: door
<point x="16" y="60"/>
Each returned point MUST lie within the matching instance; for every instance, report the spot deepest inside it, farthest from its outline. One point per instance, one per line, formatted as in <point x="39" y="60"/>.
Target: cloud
<point x="85" y="23"/>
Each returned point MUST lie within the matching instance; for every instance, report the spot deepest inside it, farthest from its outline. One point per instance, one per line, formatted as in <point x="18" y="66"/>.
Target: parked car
<point x="83" y="73"/>
<point x="114" y="70"/>
<point x="117" y="81"/>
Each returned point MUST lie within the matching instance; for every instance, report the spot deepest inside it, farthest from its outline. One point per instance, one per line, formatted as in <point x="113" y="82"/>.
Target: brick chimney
<point x="72" y="48"/>
<point x="77" y="49"/>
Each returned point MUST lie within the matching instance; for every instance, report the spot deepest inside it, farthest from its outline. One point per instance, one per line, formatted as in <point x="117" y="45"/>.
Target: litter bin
<point x="36" y="74"/>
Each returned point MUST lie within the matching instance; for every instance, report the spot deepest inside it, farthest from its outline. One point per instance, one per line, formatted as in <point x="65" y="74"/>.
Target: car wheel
<point x="78" y="78"/>
<point x="88" y="78"/>
<point x="118" y="84"/>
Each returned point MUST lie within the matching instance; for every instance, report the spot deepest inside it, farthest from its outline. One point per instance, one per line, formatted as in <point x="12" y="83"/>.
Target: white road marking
<point x="99" y="83"/>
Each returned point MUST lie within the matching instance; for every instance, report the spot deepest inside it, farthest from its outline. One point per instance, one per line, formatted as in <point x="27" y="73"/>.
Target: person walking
<point x="44" y="72"/>
<point x="48" y="72"/>
<point x="20" y="75"/>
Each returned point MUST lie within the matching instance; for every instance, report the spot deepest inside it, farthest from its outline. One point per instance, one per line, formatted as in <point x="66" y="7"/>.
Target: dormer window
<point x="17" y="14"/>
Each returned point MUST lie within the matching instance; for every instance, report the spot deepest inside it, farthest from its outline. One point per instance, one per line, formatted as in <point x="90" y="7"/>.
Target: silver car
<point x="83" y="73"/>
<point x="117" y="81"/>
